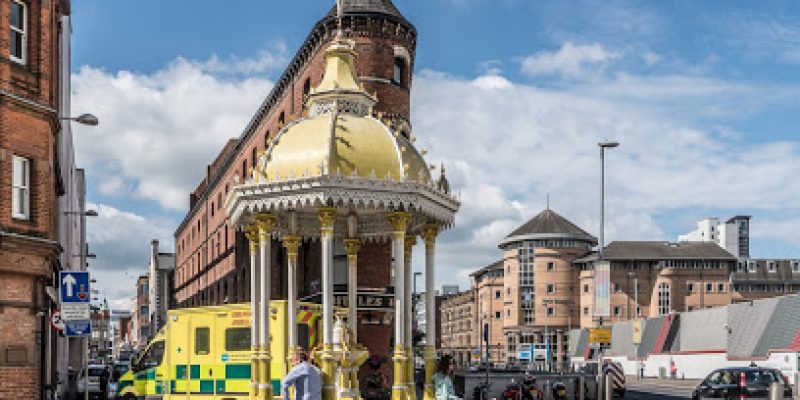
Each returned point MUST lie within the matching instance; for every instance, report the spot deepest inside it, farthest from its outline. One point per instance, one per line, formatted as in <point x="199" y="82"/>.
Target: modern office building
<point x="733" y="235"/>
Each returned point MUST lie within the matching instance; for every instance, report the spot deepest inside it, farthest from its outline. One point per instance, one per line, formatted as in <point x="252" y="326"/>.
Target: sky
<point x="511" y="95"/>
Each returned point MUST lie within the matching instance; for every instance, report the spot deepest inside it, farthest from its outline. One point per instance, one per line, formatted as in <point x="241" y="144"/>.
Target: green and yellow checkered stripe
<point x="232" y="379"/>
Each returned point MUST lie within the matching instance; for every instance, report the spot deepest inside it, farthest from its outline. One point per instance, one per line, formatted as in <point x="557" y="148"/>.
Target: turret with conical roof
<point x="548" y="226"/>
<point x="385" y="7"/>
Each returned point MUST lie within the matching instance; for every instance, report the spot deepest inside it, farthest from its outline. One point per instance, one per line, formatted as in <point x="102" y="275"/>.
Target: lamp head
<point x="87" y="119"/>
<point x="608" y="144"/>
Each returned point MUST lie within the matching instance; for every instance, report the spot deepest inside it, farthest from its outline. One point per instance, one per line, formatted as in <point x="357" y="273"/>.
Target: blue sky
<point x="702" y="95"/>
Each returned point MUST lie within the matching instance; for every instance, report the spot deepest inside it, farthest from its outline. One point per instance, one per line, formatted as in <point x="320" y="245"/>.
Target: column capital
<point x="292" y="243"/>
<point x="399" y="220"/>
<point x="327" y="218"/>
<point x="409" y="243"/>
<point x="429" y="232"/>
<point x="251" y="232"/>
<point x="352" y="246"/>
<point x="265" y="222"/>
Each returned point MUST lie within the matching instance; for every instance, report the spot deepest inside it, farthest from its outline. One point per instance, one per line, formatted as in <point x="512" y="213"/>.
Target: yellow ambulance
<point x="205" y="353"/>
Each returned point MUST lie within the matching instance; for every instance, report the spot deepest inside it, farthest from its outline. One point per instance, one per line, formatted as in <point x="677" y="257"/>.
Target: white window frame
<point x="752" y="266"/>
<point x="617" y="311"/>
<point x="796" y="266"/>
<point x="24" y="33"/>
<point x="664" y="298"/>
<point x="25" y="187"/>
<point x="771" y="267"/>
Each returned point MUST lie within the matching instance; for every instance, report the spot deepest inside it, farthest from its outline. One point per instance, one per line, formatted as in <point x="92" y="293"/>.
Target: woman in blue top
<point x="443" y="379"/>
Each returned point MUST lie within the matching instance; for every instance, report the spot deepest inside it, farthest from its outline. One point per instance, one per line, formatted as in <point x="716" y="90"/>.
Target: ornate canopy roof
<point x="340" y="137"/>
<point x="343" y="155"/>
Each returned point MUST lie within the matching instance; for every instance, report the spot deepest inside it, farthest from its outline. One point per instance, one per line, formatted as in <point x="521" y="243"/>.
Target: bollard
<point x="797" y="385"/>
<point x="581" y="389"/>
<point x="775" y="391"/>
<point x="608" y="388"/>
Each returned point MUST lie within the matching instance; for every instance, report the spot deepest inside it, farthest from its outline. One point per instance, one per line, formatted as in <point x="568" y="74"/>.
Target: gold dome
<point x="356" y="145"/>
<point x="362" y="146"/>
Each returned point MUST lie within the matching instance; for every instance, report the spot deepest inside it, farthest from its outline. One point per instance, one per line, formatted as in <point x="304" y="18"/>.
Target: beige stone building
<point x="545" y="285"/>
<point x="657" y="278"/>
<point x="489" y="285"/>
<point x="541" y="299"/>
<point x="458" y="327"/>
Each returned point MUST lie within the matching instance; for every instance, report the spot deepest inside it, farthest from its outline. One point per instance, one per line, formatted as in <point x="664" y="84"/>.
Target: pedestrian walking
<point x="443" y="379"/>
<point x="304" y="377"/>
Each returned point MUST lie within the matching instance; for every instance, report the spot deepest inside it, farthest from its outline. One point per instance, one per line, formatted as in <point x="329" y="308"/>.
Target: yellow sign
<point x="600" y="335"/>
<point x="637" y="331"/>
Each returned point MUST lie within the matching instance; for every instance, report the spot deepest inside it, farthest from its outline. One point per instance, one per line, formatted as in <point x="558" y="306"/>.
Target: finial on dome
<point x="339" y="21"/>
<point x="443" y="184"/>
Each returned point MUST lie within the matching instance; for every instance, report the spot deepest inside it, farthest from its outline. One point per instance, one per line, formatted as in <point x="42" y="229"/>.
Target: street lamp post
<point x="603" y="146"/>
<point x="89" y="120"/>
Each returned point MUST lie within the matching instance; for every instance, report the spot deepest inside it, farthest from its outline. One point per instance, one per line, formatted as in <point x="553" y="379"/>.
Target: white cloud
<point x="121" y="241"/>
<point x="263" y="61"/>
<point x="490" y="82"/>
<point x="506" y="146"/>
<point x="158" y="131"/>
<point x="570" y="61"/>
<point x="506" y="150"/>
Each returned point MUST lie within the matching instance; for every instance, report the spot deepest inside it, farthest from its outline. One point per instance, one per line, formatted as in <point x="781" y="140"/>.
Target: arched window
<point x="399" y="71"/>
<point x="663" y="298"/>
<point x="282" y="118"/>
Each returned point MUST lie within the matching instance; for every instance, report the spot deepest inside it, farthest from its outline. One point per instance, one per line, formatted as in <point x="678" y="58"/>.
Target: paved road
<point x="659" y="389"/>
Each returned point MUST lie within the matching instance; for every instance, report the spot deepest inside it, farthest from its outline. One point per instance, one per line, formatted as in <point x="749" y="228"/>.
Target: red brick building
<point x="212" y="260"/>
<point x="30" y="33"/>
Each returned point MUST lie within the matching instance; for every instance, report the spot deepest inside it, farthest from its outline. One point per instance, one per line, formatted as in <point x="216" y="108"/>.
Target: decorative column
<point x="252" y="237"/>
<point x="410" y="241"/>
<point x="292" y="244"/>
<point x="265" y="224"/>
<point x="399" y="221"/>
<point x="351" y="247"/>
<point x="327" y="219"/>
<point x="429" y="233"/>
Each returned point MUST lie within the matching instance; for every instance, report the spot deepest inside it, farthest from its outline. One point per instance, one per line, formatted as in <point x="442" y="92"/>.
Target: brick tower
<point x="212" y="256"/>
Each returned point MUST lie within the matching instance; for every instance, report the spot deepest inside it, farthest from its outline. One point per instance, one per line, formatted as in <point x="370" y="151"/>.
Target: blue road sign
<point x="74" y="287"/>
<point x="524" y="355"/>
<point x="77" y="328"/>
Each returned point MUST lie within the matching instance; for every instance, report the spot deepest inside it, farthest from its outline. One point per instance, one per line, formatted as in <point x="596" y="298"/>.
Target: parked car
<point x="93" y="387"/>
<point x="740" y="382"/>
<point x="119" y="369"/>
